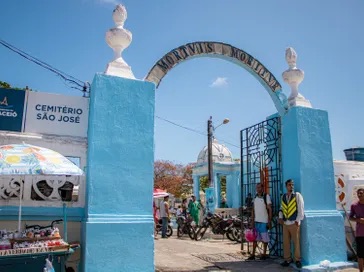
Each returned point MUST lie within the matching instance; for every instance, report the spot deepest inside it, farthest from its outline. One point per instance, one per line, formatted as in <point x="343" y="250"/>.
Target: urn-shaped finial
<point x="293" y="77"/>
<point x="118" y="39"/>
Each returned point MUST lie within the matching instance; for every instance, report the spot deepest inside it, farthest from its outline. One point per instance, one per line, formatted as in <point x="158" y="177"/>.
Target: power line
<point x="193" y="130"/>
<point x="80" y="85"/>
<point x="190" y="129"/>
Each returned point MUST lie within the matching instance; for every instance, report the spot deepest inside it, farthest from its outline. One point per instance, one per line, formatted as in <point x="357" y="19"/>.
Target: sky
<point x="327" y="36"/>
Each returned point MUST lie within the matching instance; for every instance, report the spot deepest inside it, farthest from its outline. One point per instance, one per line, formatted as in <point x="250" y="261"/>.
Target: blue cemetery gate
<point x="118" y="226"/>
<point x="261" y="163"/>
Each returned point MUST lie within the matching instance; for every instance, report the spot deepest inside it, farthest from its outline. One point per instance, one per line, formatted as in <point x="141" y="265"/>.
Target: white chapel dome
<point x="220" y="153"/>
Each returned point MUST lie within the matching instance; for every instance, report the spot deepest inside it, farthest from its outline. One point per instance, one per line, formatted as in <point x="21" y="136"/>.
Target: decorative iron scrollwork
<point x="261" y="163"/>
<point x="10" y="189"/>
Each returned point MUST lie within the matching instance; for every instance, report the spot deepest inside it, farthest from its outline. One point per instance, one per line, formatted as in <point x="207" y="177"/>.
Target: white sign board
<point x="56" y="114"/>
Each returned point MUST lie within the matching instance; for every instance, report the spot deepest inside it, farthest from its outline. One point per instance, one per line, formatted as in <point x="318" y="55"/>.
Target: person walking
<point x="184" y="207"/>
<point x="194" y="207"/>
<point x="201" y="212"/>
<point x="357" y="215"/>
<point x="164" y="214"/>
<point x="155" y="217"/>
<point x="290" y="216"/>
<point x="261" y="220"/>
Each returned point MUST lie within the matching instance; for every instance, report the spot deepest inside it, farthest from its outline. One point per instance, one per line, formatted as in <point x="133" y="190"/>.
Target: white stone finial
<point x="118" y="39"/>
<point x="293" y="77"/>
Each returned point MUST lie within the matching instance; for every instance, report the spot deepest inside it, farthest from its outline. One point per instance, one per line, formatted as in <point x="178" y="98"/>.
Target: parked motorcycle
<point x="216" y="223"/>
<point x="185" y="226"/>
<point x="240" y="224"/>
<point x="158" y="227"/>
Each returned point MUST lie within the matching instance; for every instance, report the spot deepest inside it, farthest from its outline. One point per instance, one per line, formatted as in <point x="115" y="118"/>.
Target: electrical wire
<point x="80" y="85"/>
<point x="83" y="85"/>
<point x="193" y="130"/>
<point x="190" y="129"/>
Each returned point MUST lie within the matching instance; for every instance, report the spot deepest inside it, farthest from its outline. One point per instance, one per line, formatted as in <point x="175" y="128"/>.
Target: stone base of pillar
<point x="323" y="237"/>
<point x="335" y="266"/>
<point x="299" y="101"/>
<point x="119" y="68"/>
<point x="119" y="244"/>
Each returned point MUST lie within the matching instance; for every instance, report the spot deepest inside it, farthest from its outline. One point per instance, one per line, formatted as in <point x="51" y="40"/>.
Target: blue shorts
<point x="262" y="232"/>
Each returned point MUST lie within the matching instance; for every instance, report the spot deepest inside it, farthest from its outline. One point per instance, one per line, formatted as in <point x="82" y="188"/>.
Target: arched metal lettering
<point x="224" y="51"/>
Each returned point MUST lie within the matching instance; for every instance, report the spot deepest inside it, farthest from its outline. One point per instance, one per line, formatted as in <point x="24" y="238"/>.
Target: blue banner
<point x="11" y="109"/>
<point x="210" y="199"/>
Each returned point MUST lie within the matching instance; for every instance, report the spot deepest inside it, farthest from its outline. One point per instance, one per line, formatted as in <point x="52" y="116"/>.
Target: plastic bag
<point x="48" y="266"/>
<point x="250" y="235"/>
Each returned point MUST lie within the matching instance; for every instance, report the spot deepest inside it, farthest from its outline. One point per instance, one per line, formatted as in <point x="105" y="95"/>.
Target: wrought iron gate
<point x="261" y="163"/>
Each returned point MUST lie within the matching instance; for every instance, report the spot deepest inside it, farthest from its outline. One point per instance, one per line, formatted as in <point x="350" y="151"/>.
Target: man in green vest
<point x="290" y="216"/>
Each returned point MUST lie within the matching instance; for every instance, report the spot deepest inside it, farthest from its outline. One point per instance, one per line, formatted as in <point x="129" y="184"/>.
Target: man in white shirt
<point x="261" y="219"/>
<point x="164" y="214"/>
<point x="290" y="216"/>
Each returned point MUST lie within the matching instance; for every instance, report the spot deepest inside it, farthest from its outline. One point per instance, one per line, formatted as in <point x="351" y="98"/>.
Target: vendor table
<point x="34" y="262"/>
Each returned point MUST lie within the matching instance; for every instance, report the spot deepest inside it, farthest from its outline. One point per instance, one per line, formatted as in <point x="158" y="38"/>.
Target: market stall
<point x="34" y="248"/>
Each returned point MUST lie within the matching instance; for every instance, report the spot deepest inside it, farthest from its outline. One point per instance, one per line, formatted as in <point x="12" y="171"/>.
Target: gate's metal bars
<point x="261" y="154"/>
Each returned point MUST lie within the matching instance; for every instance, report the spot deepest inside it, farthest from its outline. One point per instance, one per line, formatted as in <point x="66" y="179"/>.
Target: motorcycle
<point x="158" y="227"/>
<point x="240" y="224"/>
<point x="217" y="223"/>
<point x="185" y="226"/>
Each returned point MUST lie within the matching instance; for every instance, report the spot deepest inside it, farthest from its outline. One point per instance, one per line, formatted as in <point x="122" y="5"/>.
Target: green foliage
<point x="4" y="85"/>
<point x="223" y="185"/>
<point x="204" y="183"/>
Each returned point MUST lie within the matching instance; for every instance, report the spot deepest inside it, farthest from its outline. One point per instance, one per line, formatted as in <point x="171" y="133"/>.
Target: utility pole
<point x="209" y="151"/>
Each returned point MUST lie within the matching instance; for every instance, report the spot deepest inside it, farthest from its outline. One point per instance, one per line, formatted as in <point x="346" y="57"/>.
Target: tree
<point x="204" y="183"/>
<point x="4" y="85"/>
<point x="175" y="178"/>
<point x="187" y="182"/>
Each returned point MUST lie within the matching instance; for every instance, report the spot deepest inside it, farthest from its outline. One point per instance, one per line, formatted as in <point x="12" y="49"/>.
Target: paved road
<point x="211" y="254"/>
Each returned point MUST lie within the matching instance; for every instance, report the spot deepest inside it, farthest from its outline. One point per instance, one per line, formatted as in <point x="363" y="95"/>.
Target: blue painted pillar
<point x="196" y="186"/>
<point x="234" y="190"/>
<point x="217" y="188"/>
<point x="119" y="225"/>
<point x="307" y="158"/>
<point x="229" y="190"/>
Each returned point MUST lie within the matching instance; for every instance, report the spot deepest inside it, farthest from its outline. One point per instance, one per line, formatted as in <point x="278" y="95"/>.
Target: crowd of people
<point x="192" y="207"/>
<point x="260" y="209"/>
<point x="290" y="216"/>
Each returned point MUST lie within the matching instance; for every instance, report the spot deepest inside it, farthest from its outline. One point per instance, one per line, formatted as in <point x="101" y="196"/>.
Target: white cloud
<point x="219" y="82"/>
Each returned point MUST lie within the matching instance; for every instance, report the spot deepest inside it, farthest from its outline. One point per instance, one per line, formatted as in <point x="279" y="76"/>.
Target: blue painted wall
<point x="40" y="213"/>
<point x="119" y="223"/>
<point x="307" y="158"/>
